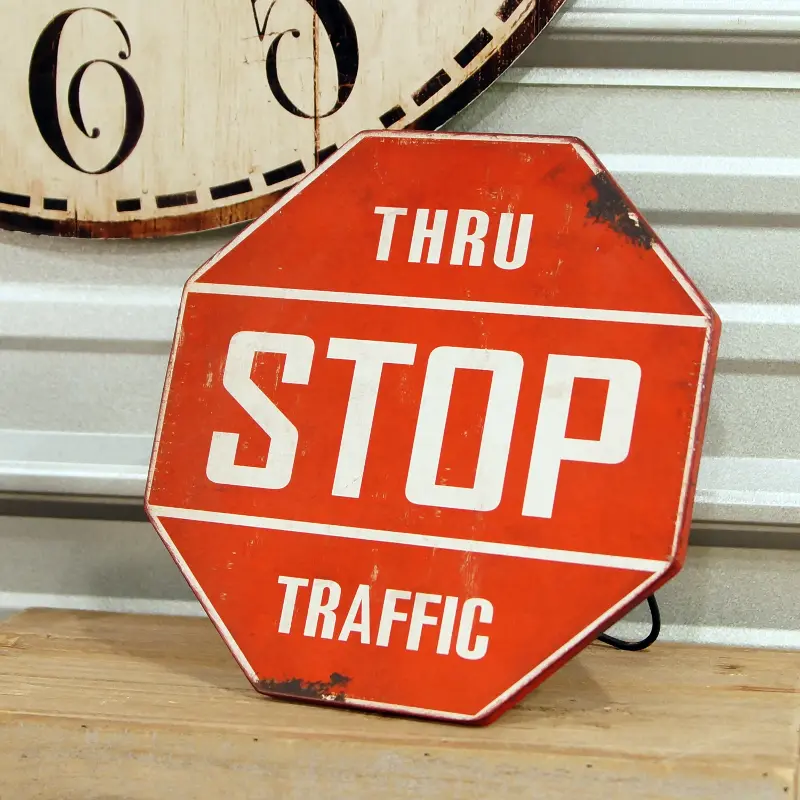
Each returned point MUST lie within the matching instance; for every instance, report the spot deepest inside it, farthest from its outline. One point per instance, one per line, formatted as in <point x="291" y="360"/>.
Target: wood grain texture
<point x="110" y="706"/>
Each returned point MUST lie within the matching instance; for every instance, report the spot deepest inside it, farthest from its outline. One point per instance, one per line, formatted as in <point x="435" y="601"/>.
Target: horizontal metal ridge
<point x="772" y="18"/>
<point x="96" y="319"/>
<point x="115" y="465"/>
<point x="727" y="80"/>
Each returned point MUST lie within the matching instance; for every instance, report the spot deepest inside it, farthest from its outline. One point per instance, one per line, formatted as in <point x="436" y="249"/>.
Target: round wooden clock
<point x="129" y="118"/>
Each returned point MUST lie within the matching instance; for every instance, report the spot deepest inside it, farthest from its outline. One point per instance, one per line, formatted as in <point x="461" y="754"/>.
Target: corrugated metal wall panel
<point x="694" y="106"/>
<point x="710" y="155"/>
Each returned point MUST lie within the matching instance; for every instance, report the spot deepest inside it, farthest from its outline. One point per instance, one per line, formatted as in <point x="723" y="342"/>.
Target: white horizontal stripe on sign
<point x="449" y="304"/>
<point x="413" y="539"/>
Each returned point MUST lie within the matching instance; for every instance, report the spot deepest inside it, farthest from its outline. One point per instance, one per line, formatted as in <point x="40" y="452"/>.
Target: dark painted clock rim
<point x="524" y="35"/>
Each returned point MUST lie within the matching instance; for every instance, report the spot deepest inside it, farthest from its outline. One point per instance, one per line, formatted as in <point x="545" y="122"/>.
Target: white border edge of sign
<point x="526" y="679"/>
<point x="687" y="468"/>
<point x="657" y="247"/>
<point x="595" y="165"/>
<point x="522" y="682"/>
<point x="202" y="597"/>
<point x="452" y="304"/>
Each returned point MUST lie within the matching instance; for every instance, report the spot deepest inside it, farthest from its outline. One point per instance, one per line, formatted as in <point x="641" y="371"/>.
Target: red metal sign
<point x="432" y="423"/>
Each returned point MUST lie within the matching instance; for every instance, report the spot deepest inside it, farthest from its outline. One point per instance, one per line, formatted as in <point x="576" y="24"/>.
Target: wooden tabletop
<point x="113" y="706"/>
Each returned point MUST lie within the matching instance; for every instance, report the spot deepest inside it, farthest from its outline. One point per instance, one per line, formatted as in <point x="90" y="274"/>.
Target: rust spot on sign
<point x="611" y="207"/>
<point x="332" y="689"/>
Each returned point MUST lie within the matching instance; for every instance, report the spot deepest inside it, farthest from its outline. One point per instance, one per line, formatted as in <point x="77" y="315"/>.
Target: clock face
<point x="149" y="117"/>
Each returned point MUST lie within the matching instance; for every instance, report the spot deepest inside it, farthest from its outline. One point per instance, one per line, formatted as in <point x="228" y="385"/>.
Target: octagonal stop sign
<point x="432" y="423"/>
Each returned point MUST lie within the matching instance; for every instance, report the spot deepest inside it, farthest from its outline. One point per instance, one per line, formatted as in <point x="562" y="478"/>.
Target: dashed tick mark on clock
<point x="122" y="122"/>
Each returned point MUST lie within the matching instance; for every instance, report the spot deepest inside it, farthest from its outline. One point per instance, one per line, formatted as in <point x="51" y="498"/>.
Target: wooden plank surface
<point x="113" y="706"/>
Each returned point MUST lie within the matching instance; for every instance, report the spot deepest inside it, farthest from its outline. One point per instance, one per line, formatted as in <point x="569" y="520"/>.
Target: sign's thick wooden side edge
<point x="713" y="333"/>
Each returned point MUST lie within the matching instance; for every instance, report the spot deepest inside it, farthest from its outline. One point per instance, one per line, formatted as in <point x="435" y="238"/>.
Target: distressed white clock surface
<point x="144" y="118"/>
